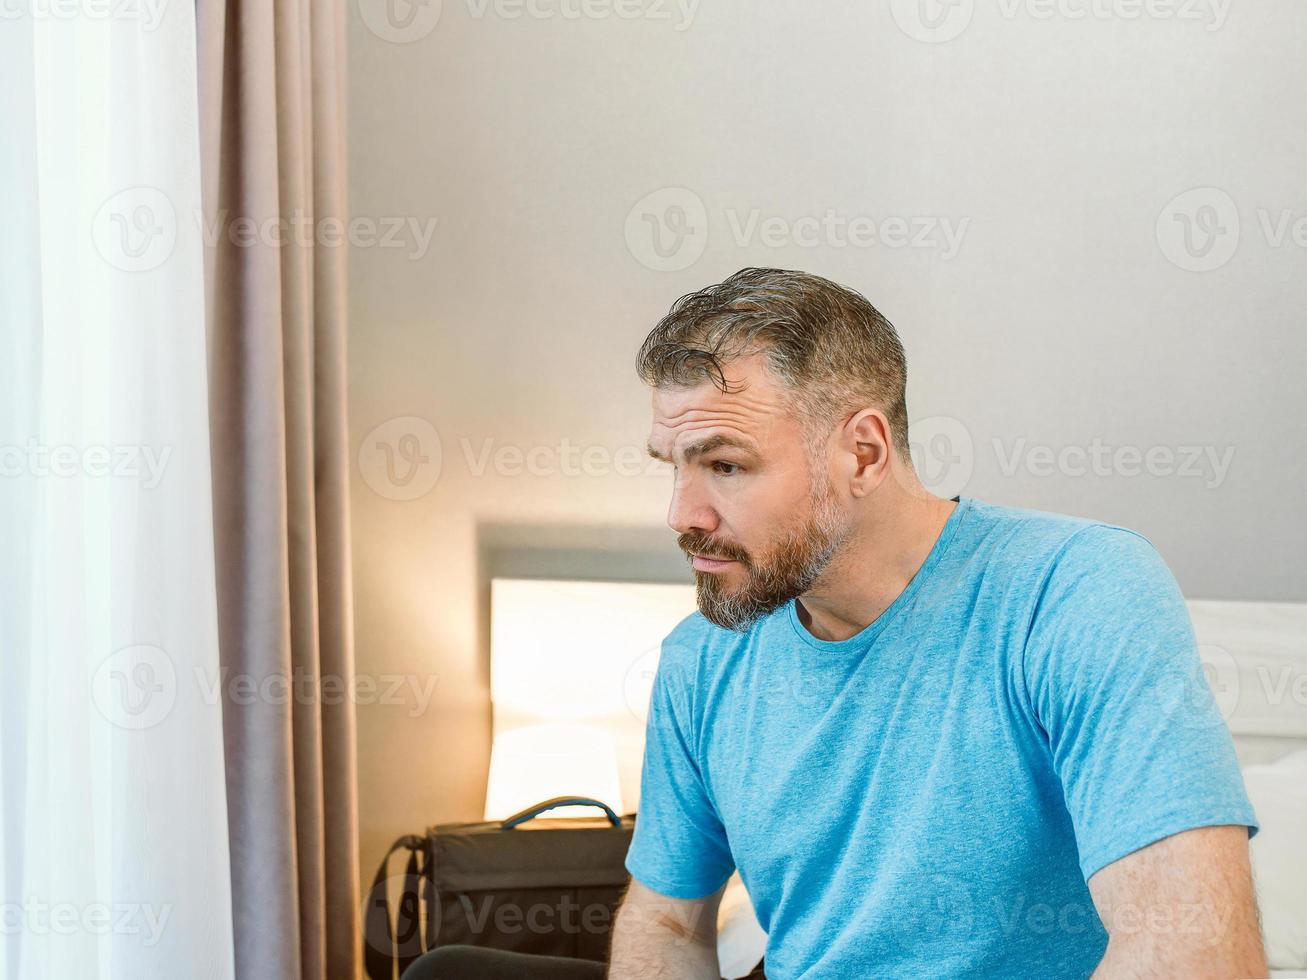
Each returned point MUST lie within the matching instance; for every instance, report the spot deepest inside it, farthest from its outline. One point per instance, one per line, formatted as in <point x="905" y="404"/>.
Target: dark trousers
<point x="479" y="963"/>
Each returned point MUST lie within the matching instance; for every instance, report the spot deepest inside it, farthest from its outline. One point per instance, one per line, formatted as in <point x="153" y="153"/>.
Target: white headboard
<point x="1255" y="658"/>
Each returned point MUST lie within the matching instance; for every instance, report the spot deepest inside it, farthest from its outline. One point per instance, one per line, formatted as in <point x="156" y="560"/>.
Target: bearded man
<point x="935" y="737"/>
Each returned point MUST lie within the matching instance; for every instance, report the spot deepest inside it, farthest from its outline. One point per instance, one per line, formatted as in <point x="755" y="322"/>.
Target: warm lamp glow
<point x="529" y="765"/>
<point x="576" y="653"/>
<point x="568" y="651"/>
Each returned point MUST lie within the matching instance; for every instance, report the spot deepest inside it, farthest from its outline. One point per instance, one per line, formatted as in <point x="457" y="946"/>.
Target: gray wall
<point x="1073" y="313"/>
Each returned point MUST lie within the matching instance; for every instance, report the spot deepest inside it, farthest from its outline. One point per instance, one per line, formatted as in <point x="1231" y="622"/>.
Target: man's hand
<point x="1181" y="907"/>
<point x="656" y="937"/>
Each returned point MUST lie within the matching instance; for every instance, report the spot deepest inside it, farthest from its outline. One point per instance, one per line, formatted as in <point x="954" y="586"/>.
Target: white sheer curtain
<point x="115" y="854"/>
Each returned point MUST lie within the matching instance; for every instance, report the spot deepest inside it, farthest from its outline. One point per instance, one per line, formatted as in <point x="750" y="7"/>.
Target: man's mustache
<point x="706" y="547"/>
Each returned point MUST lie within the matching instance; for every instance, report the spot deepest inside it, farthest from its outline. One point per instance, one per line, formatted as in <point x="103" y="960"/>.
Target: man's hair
<point x="830" y="348"/>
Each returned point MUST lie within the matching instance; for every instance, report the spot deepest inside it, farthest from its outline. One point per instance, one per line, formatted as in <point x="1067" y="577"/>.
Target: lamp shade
<point x="582" y="653"/>
<point x="561" y="651"/>
<point x="538" y="762"/>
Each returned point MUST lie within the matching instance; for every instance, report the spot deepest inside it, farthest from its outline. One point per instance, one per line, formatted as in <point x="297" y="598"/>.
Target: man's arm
<point x="1181" y="907"/>
<point x="656" y="937"/>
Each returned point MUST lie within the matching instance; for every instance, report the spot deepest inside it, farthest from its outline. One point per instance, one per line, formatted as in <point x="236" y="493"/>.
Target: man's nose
<point x="689" y="510"/>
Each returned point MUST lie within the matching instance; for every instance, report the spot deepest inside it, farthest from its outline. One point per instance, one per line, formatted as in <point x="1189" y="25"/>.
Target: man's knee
<point x="445" y="962"/>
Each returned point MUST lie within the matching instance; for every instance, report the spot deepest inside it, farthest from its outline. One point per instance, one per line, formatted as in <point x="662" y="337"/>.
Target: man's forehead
<point x="747" y="413"/>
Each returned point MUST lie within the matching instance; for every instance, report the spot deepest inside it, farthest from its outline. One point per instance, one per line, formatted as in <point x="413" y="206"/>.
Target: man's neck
<point x="874" y="566"/>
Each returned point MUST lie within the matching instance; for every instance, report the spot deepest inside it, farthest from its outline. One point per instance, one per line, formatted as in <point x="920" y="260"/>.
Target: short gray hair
<point x="830" y="348"/>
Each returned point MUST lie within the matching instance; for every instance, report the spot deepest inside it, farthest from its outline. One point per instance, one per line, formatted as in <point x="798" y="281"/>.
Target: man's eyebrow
<point x="696" y="449"/>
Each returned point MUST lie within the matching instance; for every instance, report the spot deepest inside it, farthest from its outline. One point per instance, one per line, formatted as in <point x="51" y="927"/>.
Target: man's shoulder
<point x="1077" y="570"/>
<point x="1041" y="541"/>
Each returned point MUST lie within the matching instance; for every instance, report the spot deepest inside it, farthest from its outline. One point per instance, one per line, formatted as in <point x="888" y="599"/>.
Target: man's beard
<point x="790" y="570"/>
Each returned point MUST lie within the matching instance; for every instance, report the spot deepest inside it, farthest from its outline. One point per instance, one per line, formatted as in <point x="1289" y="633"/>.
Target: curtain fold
<point x="272" y="104"/>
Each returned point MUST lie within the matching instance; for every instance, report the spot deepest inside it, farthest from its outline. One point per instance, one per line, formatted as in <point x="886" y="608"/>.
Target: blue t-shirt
<point x="930" y="796"/>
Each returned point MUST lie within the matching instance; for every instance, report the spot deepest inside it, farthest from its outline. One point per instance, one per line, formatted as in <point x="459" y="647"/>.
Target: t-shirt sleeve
<point x="679" y="848"/>
<point x="1115" y="681"/>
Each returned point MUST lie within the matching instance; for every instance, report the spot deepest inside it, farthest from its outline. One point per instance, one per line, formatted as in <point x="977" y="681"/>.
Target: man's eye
<point x="725" y="469"/>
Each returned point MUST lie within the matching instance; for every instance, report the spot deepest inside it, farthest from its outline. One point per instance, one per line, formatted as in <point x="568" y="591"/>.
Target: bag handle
<point x="531" y="812"/>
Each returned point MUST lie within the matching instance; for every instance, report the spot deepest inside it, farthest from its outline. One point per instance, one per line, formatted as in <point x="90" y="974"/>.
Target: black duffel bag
<point x="548" y="886"/>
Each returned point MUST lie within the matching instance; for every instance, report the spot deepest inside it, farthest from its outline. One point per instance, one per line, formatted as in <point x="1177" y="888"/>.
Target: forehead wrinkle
<point x="698" y="417"/>
<point x="686" y="427"/>
<point x="687" y="436"/>
<point x="750" y="412"/>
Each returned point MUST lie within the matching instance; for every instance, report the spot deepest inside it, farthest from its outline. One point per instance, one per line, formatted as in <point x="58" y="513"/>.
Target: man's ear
<point x="865" y="438"/>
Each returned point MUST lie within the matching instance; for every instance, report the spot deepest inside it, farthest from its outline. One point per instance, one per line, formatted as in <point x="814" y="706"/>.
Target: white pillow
<point x="740" y="940"/>
<point x="1278" y="791"/>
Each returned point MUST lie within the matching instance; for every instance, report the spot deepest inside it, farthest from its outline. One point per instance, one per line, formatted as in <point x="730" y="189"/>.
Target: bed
<point x="1255" y="660"/>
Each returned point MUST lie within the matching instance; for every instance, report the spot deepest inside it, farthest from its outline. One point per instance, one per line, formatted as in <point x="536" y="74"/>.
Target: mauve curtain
<point x="271" y="78"/>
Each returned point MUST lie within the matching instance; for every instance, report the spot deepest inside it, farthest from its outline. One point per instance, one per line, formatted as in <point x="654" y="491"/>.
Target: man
<point x="935" y="737"/>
